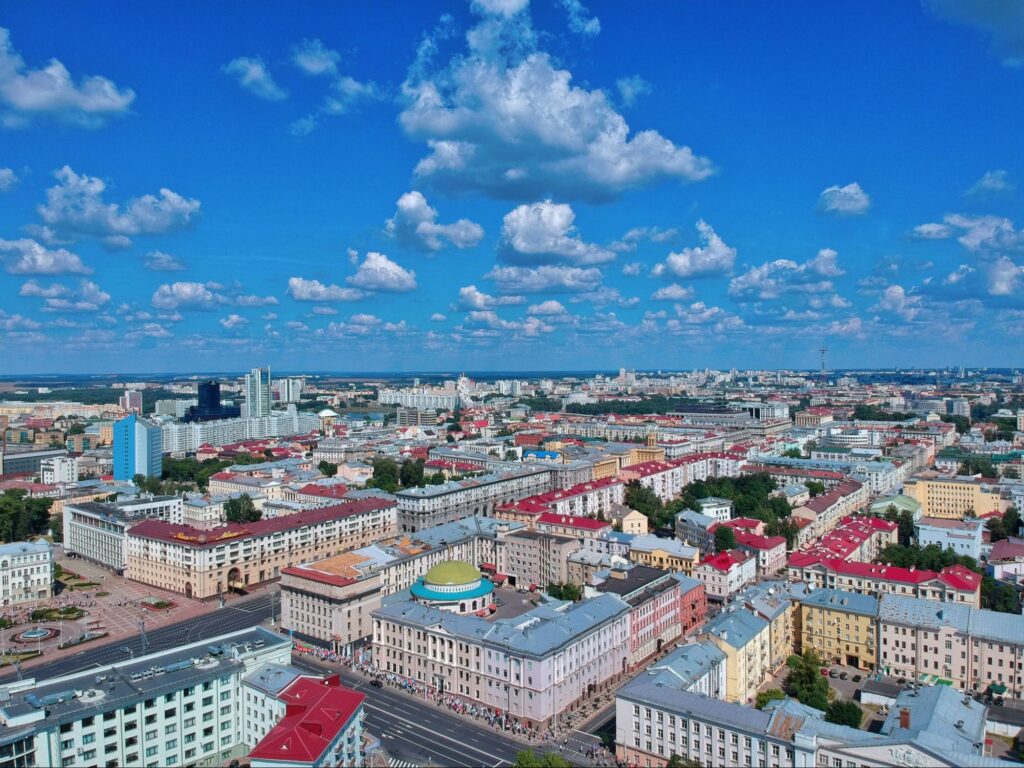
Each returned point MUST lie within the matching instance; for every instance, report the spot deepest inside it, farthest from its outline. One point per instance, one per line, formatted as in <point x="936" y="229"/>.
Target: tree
<point x="996" y="530"/>
<point x="385" y="474"/>
<point x="678" y="761"/>
<point x="725" y="538"/>
<point x="565" y="591"/>
<point x="1011" y="522"/>
<point x="411" y="473"/>
<point x="806" y="684"/>
<point x="149" y="484"/>
<point x="241" y="510"/>
<point x="643" y="500"/>
<point x="436" y="479"/>
<point x="268" y="453"/>
<point x="328" y="469"/>
<point x="78" y="428"/>
<point x="963" y="424"/>
<point x="22" y="516"/>
<point x="793" y="453"/>
<point x="844" y="712"/>
<point x="511" y="455"/>
<point x="816" y="487"/>
<point x="527" y="758"/>
<point x="772" y="694"/>
<point x="976" y="465"/>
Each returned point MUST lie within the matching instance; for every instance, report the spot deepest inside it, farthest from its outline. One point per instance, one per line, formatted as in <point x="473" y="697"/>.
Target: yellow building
<point x="950" y="496"/>
<point x="841" y="627"/>
<point x="667" y="554"/>
<point x="628" y="520"/>
<point x="745" y="639"/>
<point x="606" y="467"/>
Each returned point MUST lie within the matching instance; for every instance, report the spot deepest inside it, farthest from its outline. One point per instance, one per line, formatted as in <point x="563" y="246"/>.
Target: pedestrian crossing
<point x="394" y="762"/>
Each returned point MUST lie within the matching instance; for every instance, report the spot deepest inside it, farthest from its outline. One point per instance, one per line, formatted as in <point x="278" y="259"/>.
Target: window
<point x="169" y="729"/>
<point x="89" y="738"/>
<point x="150" y="751"/>
<point x="171" y="744"/>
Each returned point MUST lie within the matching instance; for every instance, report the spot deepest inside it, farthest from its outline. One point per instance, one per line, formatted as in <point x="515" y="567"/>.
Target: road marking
<point x="433" y="733"/>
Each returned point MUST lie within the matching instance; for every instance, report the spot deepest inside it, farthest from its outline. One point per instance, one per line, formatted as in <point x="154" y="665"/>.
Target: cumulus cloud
<point x="713" y="257"/>
<point x="1004" y="277"/>
<point x="992" y="181"/>
<point x="674" y="292"/>
<point x="775" y="278"/>
<point x="184" y="294"/>
<point x="699" y="317"/>
<point x="489" y="319"/>
<point x="549" y="307"/>
<point x="544" y="279"/>
<point x="633" y="269"/>
<point x="437" y="317"/>
<point x="470" y="297"/>
<point x="932" y="231"/>
<point x="27" y="257"/>
<point x="248" y="300"/>
<point x="580" y="20"/>
<point x="958" y="275"/>
<point x="543" y="232"/>
<point x="1002" y="21"/>
<point x="75" y="208"/>
<point x="158" y="261"/>
<point x="603" y="296"/>
<point x="252" y="74"/>
<point x="379" y="273"/>
<point x="896" y="300"/>
<point x="415" y="225"/>
<point x="301" y="289"/>
<point x="629" y="241"/>
<point x="52" y="92"/>
<point x="632" y="88"/>
<point x="315" y="58"/>
<point x="87" y="297"/>
<point x="233" y="321"/>
<point x="504" y="120"/>
<point x="850" y="200"/>
<point x="8" y="178"/>
<point x="975" y="233"/>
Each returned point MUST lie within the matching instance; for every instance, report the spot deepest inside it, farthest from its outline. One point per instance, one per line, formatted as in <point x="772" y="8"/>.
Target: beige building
<point x="321" y="607"/>
<point x="840" y="627"/>
<point x="667" y="554"/>
<point x="533" y="557"/>
<point x="628" y="520"/>
<point x="952" y="496"/>
<point x="203" y="564"/>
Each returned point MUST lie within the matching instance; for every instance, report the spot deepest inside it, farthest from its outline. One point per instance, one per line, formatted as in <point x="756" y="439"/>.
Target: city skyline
<point x="462" y="185"/>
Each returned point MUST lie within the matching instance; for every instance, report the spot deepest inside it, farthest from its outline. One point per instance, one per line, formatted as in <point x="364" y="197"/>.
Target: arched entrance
<point x="235" y="583"/>
<point x="188" y="589"/>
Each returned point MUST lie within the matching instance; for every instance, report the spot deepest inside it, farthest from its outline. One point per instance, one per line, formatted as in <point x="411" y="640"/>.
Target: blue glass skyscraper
<point x="137" y="448"/>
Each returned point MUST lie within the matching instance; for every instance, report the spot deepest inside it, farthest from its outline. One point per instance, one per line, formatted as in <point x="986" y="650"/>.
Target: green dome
<point x="452" y="573"/>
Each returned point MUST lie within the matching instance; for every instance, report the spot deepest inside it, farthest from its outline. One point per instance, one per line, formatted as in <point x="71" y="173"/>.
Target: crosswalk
<point x="394" y="762"/>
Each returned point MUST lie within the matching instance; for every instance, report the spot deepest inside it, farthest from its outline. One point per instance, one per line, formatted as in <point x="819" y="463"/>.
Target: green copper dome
<point x="452" y="573"/>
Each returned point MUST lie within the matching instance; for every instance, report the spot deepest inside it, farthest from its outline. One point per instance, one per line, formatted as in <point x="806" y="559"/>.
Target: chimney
<point x="905" y="718"/>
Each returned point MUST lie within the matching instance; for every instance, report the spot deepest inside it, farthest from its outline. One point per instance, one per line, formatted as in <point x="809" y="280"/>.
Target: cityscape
<point x="512" y="383"/>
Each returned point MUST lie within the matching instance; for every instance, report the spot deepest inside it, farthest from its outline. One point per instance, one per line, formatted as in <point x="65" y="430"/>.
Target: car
<point x="857" y="678"/>
<point x="376" y="683"/>
<point x="833" y="674"/>
<point x="824" y="672"/>
<point x="844" y="676"/>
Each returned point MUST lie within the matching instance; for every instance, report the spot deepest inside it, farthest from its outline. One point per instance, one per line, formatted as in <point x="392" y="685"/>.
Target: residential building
<point x="962" y="536"/>
<point x="628" y="520"/>
<point x="26" y="572"/>
<point x="654" y="599"/>
<point x="859" y="538"/>
<point x="202" y="564"/>
<point x="422" y="398"/>
<point x="745" y="639"/>
<point x="726" y="573"/>
<point x="59" y="470"/>
<point x="27" y="460"/>
<point x="839" y="626"/>
<point x="190" y="436"/>
<point x="137" y="448"/>
<point x="567" y="525"/>
<point x="770" y="600"/>
<point x="668" y="554"/>
<point x="716" y="508"/>
<point x="257" y="393"/>
<point x="131" y="402"/>
<point x="535" y="557"/>
<point x="825" y="512"/>
<point x="289" y="390"/>
<point x="593" y="499"/>
<point x="695" y="529"/>
<point x="769" y="551"/>
<point x="534" y="667"/>
<point x="693" y="604"/>
<point x="953" y="496"/>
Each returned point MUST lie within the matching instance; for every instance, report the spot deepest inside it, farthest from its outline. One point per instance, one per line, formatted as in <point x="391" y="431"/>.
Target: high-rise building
<point x="257" y="393"/>
<point x="289" y="390"/>
<point x="131" y="401"/>
<point x="208" y="405"/>
<point x="137" y="448"/>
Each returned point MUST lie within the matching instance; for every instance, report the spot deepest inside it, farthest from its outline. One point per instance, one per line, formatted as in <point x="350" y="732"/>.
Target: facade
<point x="95" y="531"/>
<point x="189" y="437"/>
<point x="26" y="572"/>
<point x="545" y="662"/>
<point x="693" y="604"/>
<point x="137" y="448"/>
<point x="716" y="508"/>
<point x="695" y="529"/>
<point x="668" y="554"/>
<point x="962" y="536"/>
<point x="745" y="639"/>
<point x="951" y="496"/>
<point x="535" y="557"/>
<point x="257" y="393"/>
<point x="840" y="627"/>
<point x="183" y="706"/>
<point x="59" y="470"/>
<point x="423" y="398"/>
<point x="30" y="461"/>
<point x="654" y="599"/>
<point x="202" y="564"/>
<point x="131" y="402"/>
<point x="726" y="573"/>
<point x="826" y="512"/>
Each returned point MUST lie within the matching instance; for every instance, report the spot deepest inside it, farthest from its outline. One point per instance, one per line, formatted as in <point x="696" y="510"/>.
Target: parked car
<point x="857" y="678"/>
<point x="833" y="674"/>
<point x="843" y="676"/>
<point x="376" y="683"/>
<point x="824" y="672"/>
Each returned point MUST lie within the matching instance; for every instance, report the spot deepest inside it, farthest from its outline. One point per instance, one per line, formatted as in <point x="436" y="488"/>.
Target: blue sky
<point x="509" y="184"/>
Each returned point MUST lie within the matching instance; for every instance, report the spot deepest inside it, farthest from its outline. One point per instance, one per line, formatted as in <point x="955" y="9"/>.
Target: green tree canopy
<point x="844" y="712"/>
<point x="766" y="696"/>
<point x="527" y="758"/>
<point x="327" y="469"/>
<point x="241" y="510"/>
<point x="22" y="516"/>
<point x="385" y="475"/>
<point x="725" y="538"/>
<point x="806" y="684"/>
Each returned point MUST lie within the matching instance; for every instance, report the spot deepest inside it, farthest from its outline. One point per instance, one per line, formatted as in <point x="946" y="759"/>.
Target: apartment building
<point x="545" y="662"/>
<point x="420" y="508"/>
<point x="726" y="573"/>
<point x="953" y="496"/>
<point x="745" y="639"/>
<point x="593" y="499"/>
<point x="826" y="512"/>
<point x="668" y="554"/>
<point x="839" y="626"/>
<point x="696" y="529"/>
<point x="965" y="537"/>
<point x="200" y="563"/>
<point x="859" y="538"/>
<point x="654" y="599"/>
<point x="536" y="557"/>
<point x="26" y="572"/>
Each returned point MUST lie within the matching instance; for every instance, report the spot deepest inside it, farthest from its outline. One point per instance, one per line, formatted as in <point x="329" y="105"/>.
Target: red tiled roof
<point x="186" y="535"/>
<point x="586" y="523"/>
<point x="316" y="711"/>
<point x="956" y="576"/>
<point x="753" y="541"/>
<point x="336" y="491"/>
<point x="314" y="575"/>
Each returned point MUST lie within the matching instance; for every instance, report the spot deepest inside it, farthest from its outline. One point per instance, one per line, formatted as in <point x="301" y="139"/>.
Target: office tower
<point x="208" y="405"/>
<point x="257" y="393"/>
<point x="131" y="401"/>
<point x="289" y="390"/>
<point x="137" y="448"/>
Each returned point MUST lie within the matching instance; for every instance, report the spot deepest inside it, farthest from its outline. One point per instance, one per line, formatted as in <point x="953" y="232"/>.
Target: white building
<point x="423" y="398"/>
<point x="257" y="393"/>
<point x="58" y="470"/>
<point x="717" y="508"/>
<point x="26" y="572"/>
<point x="962" y="536"/>
<point x="289" y="390"/>
<point x="187" y="438"/>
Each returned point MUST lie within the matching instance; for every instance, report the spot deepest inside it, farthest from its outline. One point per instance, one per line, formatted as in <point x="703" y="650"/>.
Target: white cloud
<point x="8" y="178"/>
<point x="301" y="289"/>
<point x="932" y="231"/>
<point x="415" y="224"/>
<point x="992" y="181"/>
<point x="364" y="319"/>
<point x="674" y="292"/>
<point x="323" y="309"/>
<point x="896" y="300"/>
<point x="251" y="73"/>
<point x="346" y="92"/>
<point x="831" y="301"/>
<point x="184" y="294"/>
<point x="88" y="297"/>
<point x="255" y="301"/>
<point x="544" y="279"/>
<point x="1003" y="21"/>
<point x="631" y="88"/>
<point x="504" y="120"/>
<point x="713" y="257"/>
<point x="629" y="241"/>
<point x="850" y="200"/>
<point x="984" y="232"/>
<point x="698" y="316"/>
<point x="314" y="58"/>
<point x="295" y="325"/>
<point x="151" y="331"/>
<point x="75" y="207"/>
<point x="549" y="307"/>
<point x="158" y="261"/>
<point x="470" y="297"/>
<point x="27" y="257"/>
<point x="604" y="296"/>
<point x="52" y="291"/>
<point x="233" y="321"/>
<point x="580" y="20"/>
<point x="543" y="232"/>
<point x="958" y="275"/>
<point x="500" y="7"/>
<point x="632" y="269"/>
<point x="52" y="92"/>
<point x="1004" y="277"/>
<point x="437" y="317"/>
<point x="775" y="278"/>
<point x="379" y="273"/>
<point x="530" y="326"/>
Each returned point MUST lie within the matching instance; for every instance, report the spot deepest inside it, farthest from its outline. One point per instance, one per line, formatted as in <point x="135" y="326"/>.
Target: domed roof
<point x="327" y="413"/>
<point x="452" y="573"/>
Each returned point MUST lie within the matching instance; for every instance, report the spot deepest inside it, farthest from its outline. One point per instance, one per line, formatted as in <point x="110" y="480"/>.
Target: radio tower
<point x="823" y="349"/>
